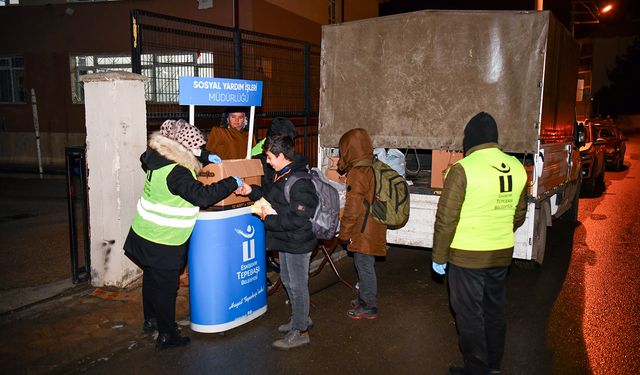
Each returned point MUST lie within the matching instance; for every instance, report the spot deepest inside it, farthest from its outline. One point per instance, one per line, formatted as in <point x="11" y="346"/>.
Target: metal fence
<point x="166" y="47"/>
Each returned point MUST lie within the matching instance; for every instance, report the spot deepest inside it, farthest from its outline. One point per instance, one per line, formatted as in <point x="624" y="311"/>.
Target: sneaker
<point x="284" y="328"/>
<point x="150" y="326"/>
<point x="171" y="340"/>
<point x="293" y="339"/>
<point x="362" y="312"/>
<point x="357" y="302"/>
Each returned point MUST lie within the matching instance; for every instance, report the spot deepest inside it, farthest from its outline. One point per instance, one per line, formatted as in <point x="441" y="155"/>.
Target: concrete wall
<point x="116" y="136"/>
<point x="18" y="149"/>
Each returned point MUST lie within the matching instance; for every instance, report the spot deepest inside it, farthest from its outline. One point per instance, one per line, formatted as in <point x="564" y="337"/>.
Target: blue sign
<point x="220" y="92"/>
<point x="227" y="270"/>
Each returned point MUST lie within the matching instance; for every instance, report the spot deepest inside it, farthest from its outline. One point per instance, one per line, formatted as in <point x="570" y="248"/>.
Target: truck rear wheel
<point x="571" y="215"/>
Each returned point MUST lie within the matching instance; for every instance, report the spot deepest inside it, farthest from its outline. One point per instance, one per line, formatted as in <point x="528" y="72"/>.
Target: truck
<point x="414" y="80"/>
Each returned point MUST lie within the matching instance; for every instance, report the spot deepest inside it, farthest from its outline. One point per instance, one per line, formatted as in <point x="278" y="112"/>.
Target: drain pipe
<point x="36" y="126"/>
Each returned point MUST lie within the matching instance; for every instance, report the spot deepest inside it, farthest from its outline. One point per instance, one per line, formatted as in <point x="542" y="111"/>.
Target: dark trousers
<point x="294" y="272"/>
<point x="367" y="281"/>
<point x="478" y="299"/>
<point x="159" y="292"/>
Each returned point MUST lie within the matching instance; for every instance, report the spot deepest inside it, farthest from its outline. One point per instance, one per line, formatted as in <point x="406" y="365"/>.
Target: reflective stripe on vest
<point x="494" y="183"/>
<point x="161" y="216"/>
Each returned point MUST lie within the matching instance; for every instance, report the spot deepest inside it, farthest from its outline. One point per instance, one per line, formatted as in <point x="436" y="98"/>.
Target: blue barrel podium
<point x="227" y="270"/>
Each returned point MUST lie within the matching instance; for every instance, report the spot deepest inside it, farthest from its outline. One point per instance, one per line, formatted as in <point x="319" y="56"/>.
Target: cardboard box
<point x="440" y="161"/>
<point x="332" y="171"/>
<point x="250" y="170"/>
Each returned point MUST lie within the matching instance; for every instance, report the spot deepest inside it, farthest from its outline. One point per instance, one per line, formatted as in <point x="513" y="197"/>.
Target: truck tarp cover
<point x="414" y="80"/>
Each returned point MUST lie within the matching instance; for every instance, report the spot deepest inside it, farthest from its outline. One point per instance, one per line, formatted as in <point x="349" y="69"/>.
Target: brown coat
<point x="228" y="143"/>
<point x="366" y="234"/>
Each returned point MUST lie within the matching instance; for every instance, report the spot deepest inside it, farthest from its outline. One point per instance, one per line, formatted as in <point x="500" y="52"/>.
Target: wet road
<point x="575" y="315"/>
<point x="594" y="321"/>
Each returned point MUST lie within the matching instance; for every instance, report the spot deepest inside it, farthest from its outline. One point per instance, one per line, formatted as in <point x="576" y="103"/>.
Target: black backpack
<point x="326" y="219"/>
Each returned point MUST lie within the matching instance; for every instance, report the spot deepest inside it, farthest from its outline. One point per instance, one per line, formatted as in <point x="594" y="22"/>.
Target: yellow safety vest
<point x="161" y="216"/>
<point x="494" y="183"/>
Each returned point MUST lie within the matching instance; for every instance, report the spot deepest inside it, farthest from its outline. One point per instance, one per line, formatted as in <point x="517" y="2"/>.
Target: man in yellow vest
<point x="165" y="216"/>
<point x="483" y="202"/>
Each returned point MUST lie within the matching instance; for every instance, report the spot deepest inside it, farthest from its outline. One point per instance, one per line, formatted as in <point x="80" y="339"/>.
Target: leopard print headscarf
<point x="184" y="133"/>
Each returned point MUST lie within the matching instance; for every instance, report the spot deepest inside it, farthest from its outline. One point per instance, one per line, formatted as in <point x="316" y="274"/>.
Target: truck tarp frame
<point x="414" y="80"/>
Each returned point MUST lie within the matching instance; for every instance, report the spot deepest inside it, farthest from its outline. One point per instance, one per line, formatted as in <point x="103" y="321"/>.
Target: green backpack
<point x="390" y="203"/>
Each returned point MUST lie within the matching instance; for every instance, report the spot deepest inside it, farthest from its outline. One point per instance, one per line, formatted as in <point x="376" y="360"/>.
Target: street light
<point x="606" y="9"/>
<point x="587" y="12"/>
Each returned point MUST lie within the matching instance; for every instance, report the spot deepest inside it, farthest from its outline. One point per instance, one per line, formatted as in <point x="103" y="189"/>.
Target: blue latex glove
<point x="438" y="268"/>
<point x="238" y="180"/>
<point x="214" y="159"/>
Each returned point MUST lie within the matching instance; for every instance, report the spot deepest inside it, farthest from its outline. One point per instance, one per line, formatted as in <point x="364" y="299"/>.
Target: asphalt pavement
<point x="577" y="314"/>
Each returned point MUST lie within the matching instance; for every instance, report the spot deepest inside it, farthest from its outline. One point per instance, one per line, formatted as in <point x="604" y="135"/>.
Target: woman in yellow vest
<point x="165" y="216"/>
<point x="483" y="202"/>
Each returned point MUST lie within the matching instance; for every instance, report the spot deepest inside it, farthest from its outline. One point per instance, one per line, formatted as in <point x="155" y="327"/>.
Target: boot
<point x="170" y="340"/>
<point x="149" y="326"/>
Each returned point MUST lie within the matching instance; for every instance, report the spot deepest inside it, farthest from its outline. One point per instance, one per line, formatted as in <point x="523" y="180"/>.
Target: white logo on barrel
<point x="248" y="247"/>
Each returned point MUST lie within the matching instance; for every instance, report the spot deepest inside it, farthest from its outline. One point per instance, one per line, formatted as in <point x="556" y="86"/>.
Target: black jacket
<point x="269" y="173"/>
<point x="290" y="230"/>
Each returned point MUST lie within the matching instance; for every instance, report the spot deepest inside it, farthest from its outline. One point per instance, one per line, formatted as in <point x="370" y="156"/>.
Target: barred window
<point x="162" y="70"/>
<point x="12" y="80"/>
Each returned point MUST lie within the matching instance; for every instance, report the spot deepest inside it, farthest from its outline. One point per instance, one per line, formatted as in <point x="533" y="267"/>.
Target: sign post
<point x="227" y="262"/>
<point x="221" y="92"/>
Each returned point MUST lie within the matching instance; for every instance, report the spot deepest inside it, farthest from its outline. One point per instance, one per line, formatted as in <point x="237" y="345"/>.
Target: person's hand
<point x="214" y="159"/>
<point x="238" y="181"/>
<point x="345" y="244"/>
<point x="206" y="157"/>
<point x="245" y="189"/>
<point x="263" y="213"/>
<point x="439" y="268"/>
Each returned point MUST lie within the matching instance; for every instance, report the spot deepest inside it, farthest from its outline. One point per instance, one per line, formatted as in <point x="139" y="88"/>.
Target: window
<point x="9" y="2"/>
<point x="81" y="65"/>
<point x="162" y="70"/>
<point x="11" y="80"/>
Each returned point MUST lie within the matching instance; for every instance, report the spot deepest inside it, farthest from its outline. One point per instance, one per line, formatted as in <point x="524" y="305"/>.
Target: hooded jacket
<point x="290" y="230"/>
<point x="356" y="224"/>
<point x="161" y="152"/>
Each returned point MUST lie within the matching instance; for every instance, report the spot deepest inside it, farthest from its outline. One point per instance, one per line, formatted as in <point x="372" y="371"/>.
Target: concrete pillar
<point x="116" y="136"/>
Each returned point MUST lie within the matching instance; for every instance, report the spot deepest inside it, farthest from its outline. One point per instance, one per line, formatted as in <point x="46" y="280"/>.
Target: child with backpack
<point x="365" y="237"/>
<point x="290" y="232"/>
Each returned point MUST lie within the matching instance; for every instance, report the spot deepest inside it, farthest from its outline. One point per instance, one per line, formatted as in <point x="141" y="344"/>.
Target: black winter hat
<point x="282" y="125"/>
<point x="236" y="110"/>
<point x="482" y="128"/>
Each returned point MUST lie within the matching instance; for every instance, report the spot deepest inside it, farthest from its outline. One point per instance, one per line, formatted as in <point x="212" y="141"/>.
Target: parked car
<point x="592" y="154"/>
<point x="615" y="144"/>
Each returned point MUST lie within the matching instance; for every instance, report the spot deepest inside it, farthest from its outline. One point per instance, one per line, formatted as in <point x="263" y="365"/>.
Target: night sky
<point x="624" y="12"/>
